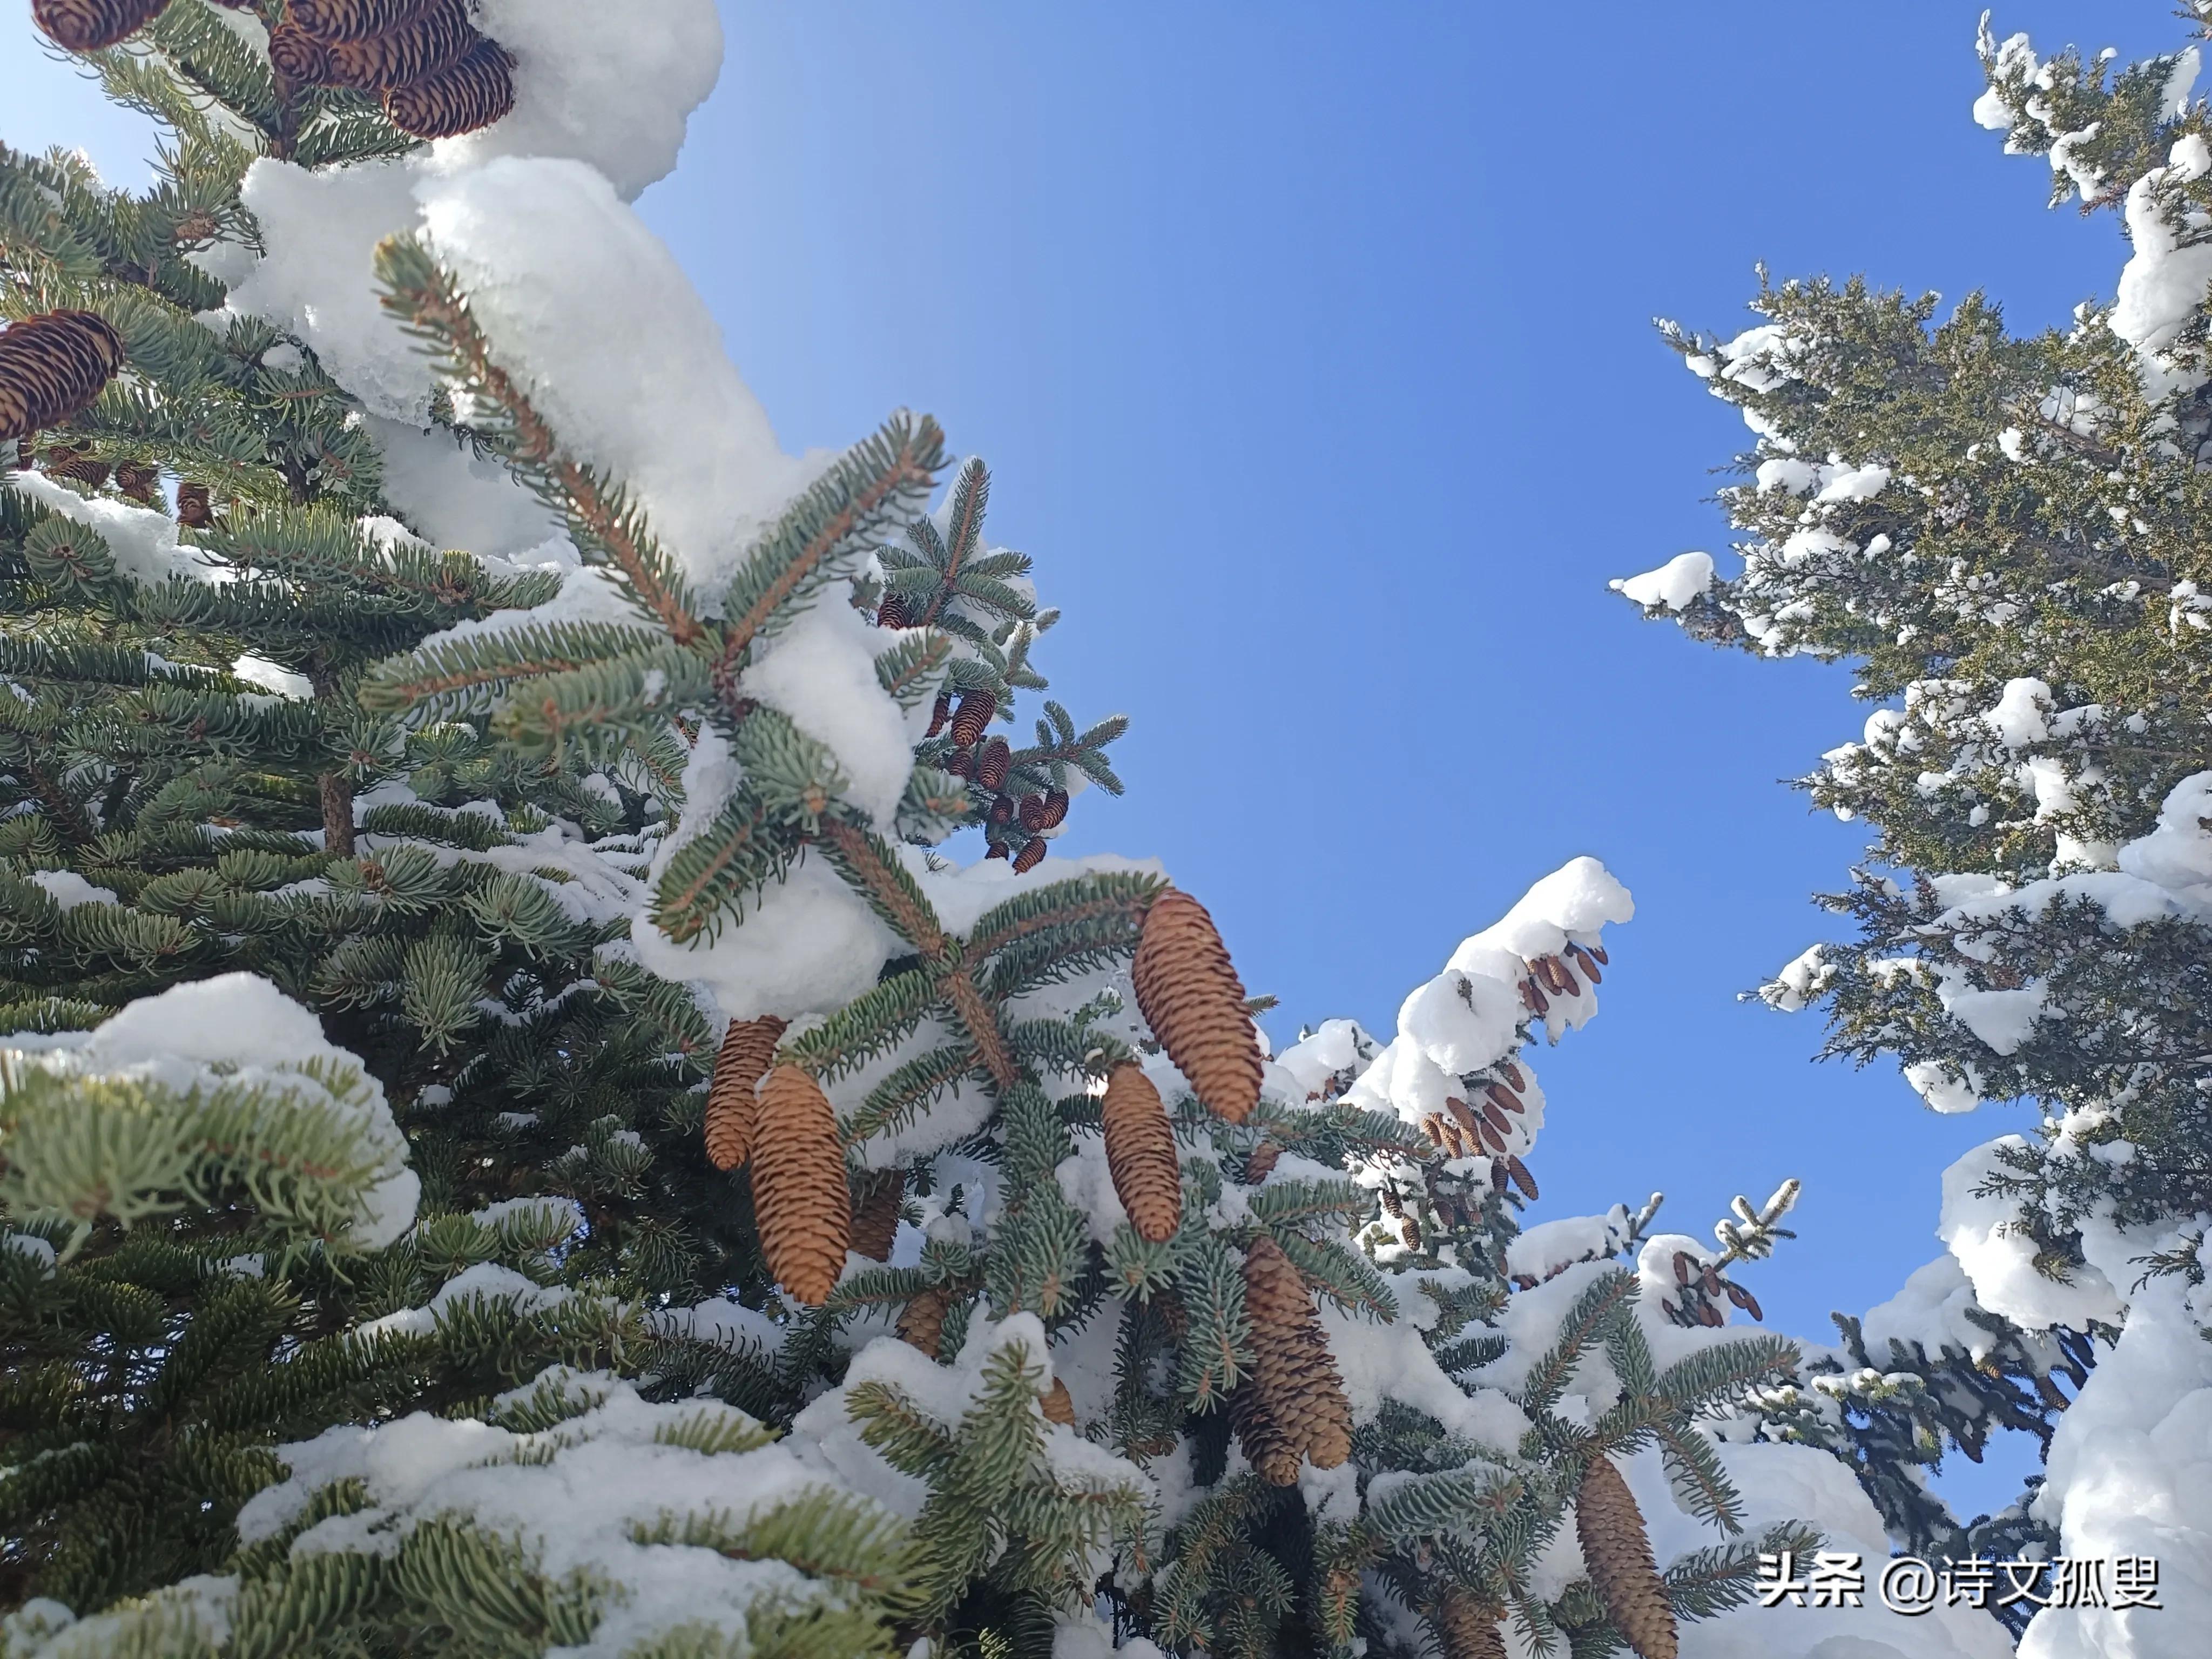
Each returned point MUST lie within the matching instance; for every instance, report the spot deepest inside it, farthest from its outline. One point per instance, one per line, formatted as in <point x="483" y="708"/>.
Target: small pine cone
<point x="90" y="25"/>
<point x="876" y="1218"/>
<point x="1745" y="1300"/>
<point x="1267" y="1448"/>
<point x="1466" y="1628"/>
<point x="1002" y="810"/>
<point x="1031" y="813"/>
<point x="52" y="366"/>
<point x="1189" y="994"/>
<point x="994" y="764"/>
<point x="298" y="56"/>
<point x="805" y="1207"/>
<point x="999" y="849"/>
<point x="1522" y="1178"/>
<point x="1140" y="1153"/>
<point x="1709" y="1314"/>
<point x="894" y="612"/>
<point x="940" y="714"/>
<point x="77" y="468"/>
<point x="1055" y="808"/>
<point x="973" y="716"/>
<point x="922" y="1322"/>
<point x="1598" y="956"/>
<point x="732" y="1106"/>
<point x="474" y="93"/>
<point x="1511" y="1073"/>
<point x="1392" y="1206"/>
<point x="1456" y="1141"/>
<point x="1410" y="1230"/>
<point x="1261" y="1163"/>
<point x="1710" y="1280"/>
<point x="140" y="482"/>
<point x="1057" y="1405"/>
<point x="1294" y="1376"/>
<point x="350" y="20"/>
<point x="1587" y="962"/>
<point x="194" y="510"/>
<point x="1618" y="1553"/>
<point x="1497" y="1177"/>
<point x="1686" y="1266"/>
<point x="1532" y="995"/>
<point x="1030" y="856"/>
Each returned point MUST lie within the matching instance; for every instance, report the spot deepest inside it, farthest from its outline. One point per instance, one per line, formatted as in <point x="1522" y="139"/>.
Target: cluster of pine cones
<point x="1479" y="1130"/>
<point x="1012" y="828"/>
<point x="1699" y="1287"/>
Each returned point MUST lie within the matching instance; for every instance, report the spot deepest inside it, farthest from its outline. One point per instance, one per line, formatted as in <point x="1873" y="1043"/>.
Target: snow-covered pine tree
<point x="2003" y="535"/>
<point x="513" y="1140"/>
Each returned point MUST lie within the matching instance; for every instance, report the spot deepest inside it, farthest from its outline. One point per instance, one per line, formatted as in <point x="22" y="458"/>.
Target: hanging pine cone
<point x="1294" y="1378"/>
<point x="1469" y="1124"/>
<point x="1055" y="808"/>
<point x="1057" y="1405"/>
<point x="893" y="612"/>
<point x="1140" y="1153"/>
<point x="1465" y="1628"/>
<point x="804" y="1209"/>
<point x="1031" y="812"/>
<point x="52" y="366"/>
<point x="994" y="764"/>
<point x="922" y="1322"/>
<point x="76" y="468"/>
<point x="90" y="25"/>
<point x="1618" y="1553"/>
<point x="1002" y="810"/>
<point x="1267" y="1448"/>
<point x="1587" y="962"/>
<point x="732" y="1106"/>
<point x="998" y="849"/>
<point x="1511" y="1073"/>
<point x="1532" y="995"/>
<point x="1497" y="1177"/>
<point x="1189" y="994"/>
<point x="1496" y="1119"/>
<point x="1030" y="856"/>
<point x="1522" y="1178"/>
<point x="1261" y="1163"/>
<point x="960" y="763"/>
<point x="940" y="714"/>
<point x="474" y="93"/>
<point x="1410" y="1230"/>
<point x="350" y="20"/>
<point x="1392" y="1206"/>
<point x="1598" y="956"/>
<point x="298" y="56"/>
<point x="973" y="716"/>
<point x="194" y="511"/>
<point x="1744" y="1299"/>
<point x="876" y="1220"/>
<point x="138" y="481"/>
<point x="1505" y="1098"/>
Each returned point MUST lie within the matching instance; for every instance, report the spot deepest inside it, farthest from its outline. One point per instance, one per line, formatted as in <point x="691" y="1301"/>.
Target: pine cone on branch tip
<point x="53" y="365"/>
<point x="471" y="94"/>
<point x="350" y="20"/>
<point x="922" y="1322"/>
<point x="1140" y="1153"/>
<point x="93" y="25"/>
<point x="1505" y="1098"/>
<point x="1466" y="1628"/>
<point x="973" y="716"/>
<point x="1409" y="1231"/>
<point x="1030" y="856"/>
<point x="799" y="1191"/>
<point x="1262" y="1162"/>
<point x="732" y="1105"/>
<point x="1497" y="1177"/>
<point x="1189" y="994"/>
<point x="1522" y="1178"/>
<point x="1514" y="1080"/>
<point x="993" y="765"/>
<point x="138" y="481"/>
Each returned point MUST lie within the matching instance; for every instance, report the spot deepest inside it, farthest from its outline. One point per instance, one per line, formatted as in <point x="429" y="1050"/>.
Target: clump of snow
<point x="276" y="681"/>
<point x="1998" y="1260"/>
<point x="1943" y="1087"/>
<point x="1677" y="584"/>
<point x="142" y="540"/>
<point x="820" y="671"/>
<point x="455" y="497"/>
<point x="1543" y="1250"/>
<point x="2163" y="284"/>
<point x="69" y="890"/>
<point x="1930" y="1311"/>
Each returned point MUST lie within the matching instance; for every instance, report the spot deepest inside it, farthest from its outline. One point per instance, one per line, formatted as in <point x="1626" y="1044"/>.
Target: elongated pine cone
<point x="875" y="1222"/>
<point x="800" y="1195"/>
<point x="90" y="25"/>
<point x="1030" y="856"/>
<point x="1189" y="994"/>
<point x="350" y="20"/>
<point x="1294" y="1378"/>
<point x="299" y="56"/>
<point x="1465" y="1628"/>
<point x="940" y="714"/>
<point x="732" y="1106"/>
<point x="1522" y="1178"/>
<point x="474" y="93"/>
<point x="973" y="716"/>
<point x="1140" y="1154"/>
<point x="434" y="39"/>
<point x="994" y="764"/>
<point x="1270" y="1451"/>
<point x="1618" y="1551"/>
<point x="922" y="1322"/>
<point x="52" y="366"/>
<point x="1057" y="1405"/>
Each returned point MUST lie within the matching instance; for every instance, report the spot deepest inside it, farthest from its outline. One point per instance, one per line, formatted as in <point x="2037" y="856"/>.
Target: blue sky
<point x="1311" y="348"/>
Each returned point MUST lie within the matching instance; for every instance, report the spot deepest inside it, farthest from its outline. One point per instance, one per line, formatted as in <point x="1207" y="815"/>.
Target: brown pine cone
<point x="194" y="510"/>
<point x="1469" y="1123"/>
<point x="1055" y="808"/>
<point x="52" y="366"/>
<point x="473" y="93"/>
<point x="1001" y="810"/>
<point x="876" y="1220"/>
<point x="999" y="849"/>
<point x="800" y="1195"/>
<point x="1294" y="1378"/>
<point x="1057" y="1405"/>
<point x="1392" y="1206"/>
<point x="1261" y="1163"/>
<point x="732" y="1107"/>
<point x="960" y="763"/>
<point x="922" y="1322"/>
<point x="1030" y="856"/>
<point x="1497" y="1177"/>
<point x="138" y="481"/>
<point x="1511" y="1073"/>
<point x="1466" y="1628"/>
<point x="893" y="611"/>
<point x="1587" y="962"/>
<point x="973" y="716"/>
<point x="1267" y="1448"/>
<point x="1140" y="1153"/>
<point x="1496" y="1119"/>
<point x="994" y="764"/>
<point x="1189" y="994"/>
<point x="1031" y="813"/>
<point x="1532" y="995"/>
<point x="1506" y="1098"/>
<point x="1598" y="956"/>
<point x="90" y="25"/>
<point x="77" y="468"/>
<point x="1522" y="1178"/>
<point x="298" y="56"/>
<point x="939" y="715"/>
<point x="350" y="20"/>
<point x="1409" y="1230"/>
<point x="1618" y="1551"/>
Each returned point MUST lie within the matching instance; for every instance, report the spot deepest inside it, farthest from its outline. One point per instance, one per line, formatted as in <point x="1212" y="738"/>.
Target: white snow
<point x="820" y="671"/>
<point x="1999" y="1261"/>
<point x="1931" y="1311"/>
<point x="69" y="890"/>
<point x="279" y="681"/>
<point x="1676" y="584"/>
<point x="142" y="540"/>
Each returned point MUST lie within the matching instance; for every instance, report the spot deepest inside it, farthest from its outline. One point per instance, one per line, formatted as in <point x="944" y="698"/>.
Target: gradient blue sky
<point x="1311" y="348"/>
